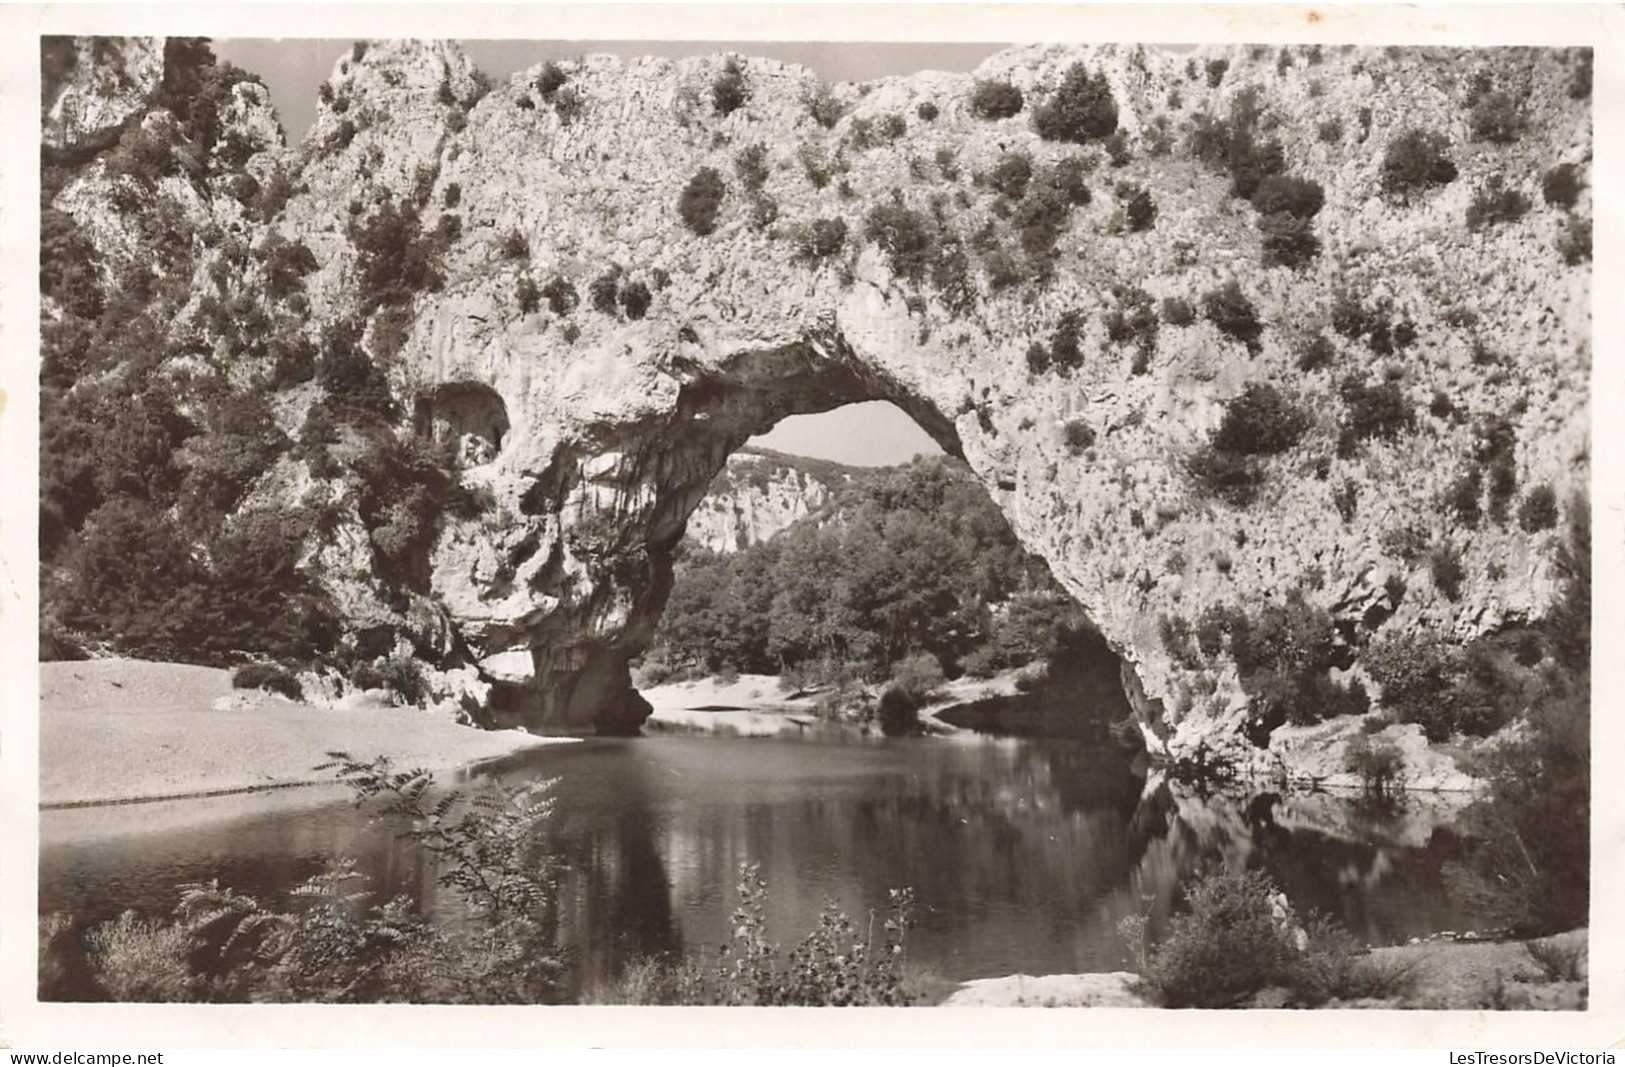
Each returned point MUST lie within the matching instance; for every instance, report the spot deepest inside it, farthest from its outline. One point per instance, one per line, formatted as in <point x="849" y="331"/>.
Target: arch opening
<point x="624" y="495"/>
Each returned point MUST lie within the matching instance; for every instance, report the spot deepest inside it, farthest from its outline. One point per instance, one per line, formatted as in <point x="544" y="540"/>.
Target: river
<point x="1024" y="854"/>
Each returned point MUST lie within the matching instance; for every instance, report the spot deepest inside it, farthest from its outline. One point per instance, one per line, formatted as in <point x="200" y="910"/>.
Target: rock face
<point x="593" y="422"/>
<point x="93" y="86"/>
<point x="756" y="495"/>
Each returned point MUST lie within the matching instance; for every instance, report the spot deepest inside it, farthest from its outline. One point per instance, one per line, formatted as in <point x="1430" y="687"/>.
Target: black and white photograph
<point x="992" y="522"/>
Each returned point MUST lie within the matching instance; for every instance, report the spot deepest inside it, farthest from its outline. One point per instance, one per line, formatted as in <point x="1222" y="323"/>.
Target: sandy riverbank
<point x="120" y="730"/>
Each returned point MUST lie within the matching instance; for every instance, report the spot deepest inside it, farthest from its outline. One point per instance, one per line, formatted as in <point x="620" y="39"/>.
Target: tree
<point x="1081" y="110"/>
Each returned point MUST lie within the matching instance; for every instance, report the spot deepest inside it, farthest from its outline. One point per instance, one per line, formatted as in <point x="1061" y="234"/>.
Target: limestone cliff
<point x="607" y="330"/>
<point x="756" y="495"/>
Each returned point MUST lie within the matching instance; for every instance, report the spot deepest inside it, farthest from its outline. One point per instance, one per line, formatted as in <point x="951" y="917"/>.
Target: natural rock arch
<point x="881" y="242"/>
<point x="622" y="506"/>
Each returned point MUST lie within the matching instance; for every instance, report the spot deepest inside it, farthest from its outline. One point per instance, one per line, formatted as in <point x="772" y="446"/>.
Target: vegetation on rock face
<point x="1229" y="309"/>
<point x="1261" y="421"/>
<point x="701" y="201"/>
<point x="1494" y="204"/>
<point x="1561" y="186"/>
<point x="995" y="100"/>
<point x="908" y="238"/>
<point x="1417" y="160"/>
<point x="1082" y="109"/>
<point x="1372" y="411"/>
<point x="730" y="90"/>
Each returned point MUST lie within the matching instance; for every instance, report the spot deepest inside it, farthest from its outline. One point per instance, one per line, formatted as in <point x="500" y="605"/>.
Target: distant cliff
<point x="759" y="492"/>
<point x="1291" y="329"/>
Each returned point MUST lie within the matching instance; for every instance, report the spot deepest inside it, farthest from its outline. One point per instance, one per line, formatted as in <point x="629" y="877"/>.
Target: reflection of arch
<point x="469" y="415"/>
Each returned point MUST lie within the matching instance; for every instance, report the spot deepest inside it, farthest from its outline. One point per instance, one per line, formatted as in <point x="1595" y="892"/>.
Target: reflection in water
<point x="1024" y="855"/>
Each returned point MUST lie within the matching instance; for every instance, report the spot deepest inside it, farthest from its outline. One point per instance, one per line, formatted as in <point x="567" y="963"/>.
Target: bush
<point x="824" y="108"/>
<point x="729" y="90"/>
<point x="1462" y="498"/>
<point x="1494" y="204"/>
<point x="1262" y="421"/>
<point x="1418" y="675"/>
<point x="1231" y="478"/>
<point x="1065" y="350"/>
<point x="1574" y="244"/>
<point x="1288" y="240"/>
<point x="1225" y="945"/>
<point x="568" y="105"/>
<point x="927" y="111"/>
<point x="835" y="965"/>
<point x="604" y="292"/>
<point x="1379" y="411"/>
<point x="561" y="296"/>
<point x="1497" y="118"/>
<point x="751" y="166"/>
<point x="550" y="79"/>
<point x="1069" y="177"/>
<point x="824" y="238"/>
<point x="906" y="236"/>
<point x="635" y="300"/>
<point x="1538" y="510"/>
<point x="514" y="246"/>
<point x="1140" y="211"/>
<point x="1011" y="175"/>
<point x="1317" y="354"/>
<point x="493" y="945"/>
<point x="1379" y="765"/>
<point x="1417" y="160"/>
<point x="1216" y="69"/>
<point x="395" y="259"/>
<point x="1561" y="185"/>
<point x="701" y="201"/>
<point x="1177" y="311"/>
<point x="1229" y="309"/>
<point x="1283" y="194"/>
<point x="1078" y="435"/>
<point x="995" y="100"/>
<point x="1081" y="110"/>
<point x="268" y="676"/>
<point x="527" y="295"/>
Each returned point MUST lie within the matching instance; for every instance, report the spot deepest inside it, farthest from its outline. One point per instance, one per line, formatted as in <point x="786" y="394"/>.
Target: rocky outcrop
<point x="756" y="495"/>
<point x="92" y="87"/>
<point x="594" y="426"/>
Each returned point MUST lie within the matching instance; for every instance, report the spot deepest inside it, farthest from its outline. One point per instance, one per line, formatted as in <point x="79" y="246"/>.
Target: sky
<point x="869" y="434"/>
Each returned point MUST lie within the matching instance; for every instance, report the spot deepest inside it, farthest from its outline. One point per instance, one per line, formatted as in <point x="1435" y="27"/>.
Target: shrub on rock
<point x="995" y="100"/>
<point x="701" y="201"/>
<point x="561" y="296"/>
<point x="1494" y="204"/>
<point x="1228" y="308"/>
<point x="1081" y="110"/>
<point x="1561" y="185"/>
<point x="823" y="238"/>
<point x="1416" y="161"/>
<point x="729" y="90"/>
<point x="1538" y="510"/>
<point x="1497" y="118"/>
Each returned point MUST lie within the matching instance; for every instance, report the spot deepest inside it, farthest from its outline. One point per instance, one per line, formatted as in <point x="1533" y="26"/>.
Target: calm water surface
<point x="1023" y="854"/>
